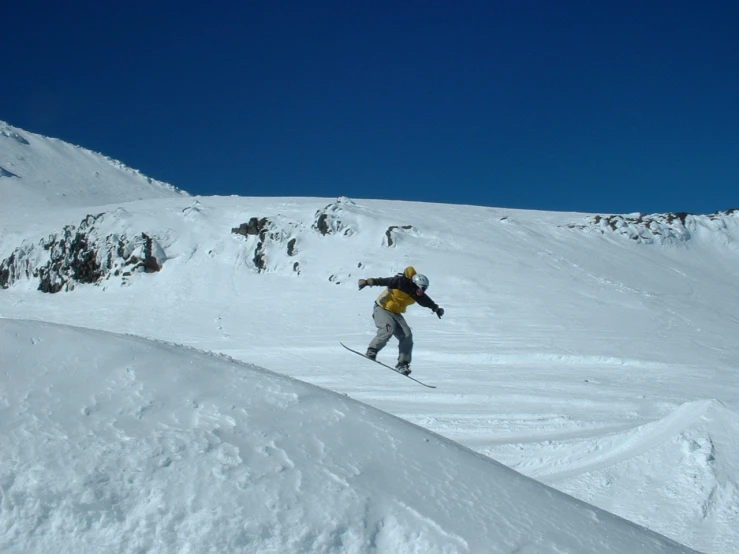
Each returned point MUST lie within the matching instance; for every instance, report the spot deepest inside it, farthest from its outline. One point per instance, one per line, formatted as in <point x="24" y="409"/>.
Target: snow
<point x="43" y="171"/>
<point x="585" y="378"/>
<point x="121" y="444"/>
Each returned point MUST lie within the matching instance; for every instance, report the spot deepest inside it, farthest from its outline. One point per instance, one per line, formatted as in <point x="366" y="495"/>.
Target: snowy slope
<point x="594" y="354"/>
<point x="119" y="444"/>
<point x="36" y="171"/>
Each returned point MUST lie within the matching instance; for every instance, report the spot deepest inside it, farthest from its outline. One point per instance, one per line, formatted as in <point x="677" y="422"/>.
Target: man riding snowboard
<point x="402" y="290"/>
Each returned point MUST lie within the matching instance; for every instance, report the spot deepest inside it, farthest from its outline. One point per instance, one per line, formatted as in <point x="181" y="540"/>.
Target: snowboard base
<point x="387" y="366"/>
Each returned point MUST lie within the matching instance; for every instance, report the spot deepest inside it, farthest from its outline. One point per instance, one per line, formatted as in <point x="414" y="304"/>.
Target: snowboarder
<point x="402" y="290"/>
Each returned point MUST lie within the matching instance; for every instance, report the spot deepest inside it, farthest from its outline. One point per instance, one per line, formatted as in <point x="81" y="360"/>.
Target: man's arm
<point x="425" y="301"/>
<point x="376" y="282"/>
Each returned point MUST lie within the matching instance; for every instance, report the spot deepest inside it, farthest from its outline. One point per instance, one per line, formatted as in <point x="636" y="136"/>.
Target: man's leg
<point x="385" y="328"/>
<point x="405" y="337"/>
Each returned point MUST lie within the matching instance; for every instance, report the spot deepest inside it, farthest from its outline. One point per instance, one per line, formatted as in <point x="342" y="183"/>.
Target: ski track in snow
<point x="612" y="450"/>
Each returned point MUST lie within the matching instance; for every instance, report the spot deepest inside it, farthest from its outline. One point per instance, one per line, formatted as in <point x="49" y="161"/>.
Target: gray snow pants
<point x="388" y="325"/>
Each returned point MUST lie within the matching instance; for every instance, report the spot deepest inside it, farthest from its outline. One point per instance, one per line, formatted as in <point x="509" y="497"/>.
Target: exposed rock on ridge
<point x="659" y="228"/>
<point x="267" y="232"/>
<point x="81" y="255"/>
<point x="328" y="221"/>
<point x="269" y="239"/>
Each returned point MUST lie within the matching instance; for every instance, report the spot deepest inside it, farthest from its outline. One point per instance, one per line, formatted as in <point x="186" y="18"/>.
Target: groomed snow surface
<point x="136" y="415"/>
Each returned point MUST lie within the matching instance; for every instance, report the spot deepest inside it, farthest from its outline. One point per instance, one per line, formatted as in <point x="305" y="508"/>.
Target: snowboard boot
<point x="404" y="368"/>
<point x="371" y="354"/>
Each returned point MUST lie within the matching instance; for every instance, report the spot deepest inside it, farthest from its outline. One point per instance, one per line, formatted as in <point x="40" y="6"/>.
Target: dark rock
<point x="15" y="136"/>
<point x="328" y="221"/>
<point x="5" y="173"/>
<point x="81" y="255"/>
<point x="267" y="233"/>
<point x="5" y="271"/>
<point x="649" y="228"/>
<point x="393" y="228"/>
<point x="151" y="263"/>
<point x="255" y="226"/>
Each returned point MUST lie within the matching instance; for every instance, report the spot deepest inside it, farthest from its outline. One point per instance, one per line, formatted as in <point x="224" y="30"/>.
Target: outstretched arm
<point x="375" y="282"/>
<point x="426" y="302"/>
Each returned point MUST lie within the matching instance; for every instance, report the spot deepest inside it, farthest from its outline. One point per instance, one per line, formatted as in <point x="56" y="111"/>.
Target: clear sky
<point x="606" y="106"/>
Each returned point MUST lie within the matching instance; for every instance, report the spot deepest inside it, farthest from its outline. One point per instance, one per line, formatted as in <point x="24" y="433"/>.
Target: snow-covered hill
<point x="36" y="171"/>
<point x="597" y="363"/>
<point x="119" y="444"/>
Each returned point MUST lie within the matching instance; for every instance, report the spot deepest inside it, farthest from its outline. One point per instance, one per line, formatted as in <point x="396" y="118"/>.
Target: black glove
<point x="362" y="283"/>
<point x="439" y="312"/>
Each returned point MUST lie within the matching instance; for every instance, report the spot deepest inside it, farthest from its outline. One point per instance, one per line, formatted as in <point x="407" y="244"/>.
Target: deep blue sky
<point x="605" y="106"/>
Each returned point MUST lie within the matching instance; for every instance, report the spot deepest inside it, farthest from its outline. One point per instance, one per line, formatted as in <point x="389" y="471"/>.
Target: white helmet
<point x="421" y="281"/>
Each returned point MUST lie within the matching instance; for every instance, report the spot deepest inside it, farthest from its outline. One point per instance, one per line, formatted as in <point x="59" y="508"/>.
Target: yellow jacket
<point x="394" y="299"/>
<point x="400" y="292"/>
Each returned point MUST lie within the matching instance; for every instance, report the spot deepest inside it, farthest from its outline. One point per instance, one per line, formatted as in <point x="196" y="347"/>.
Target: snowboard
<point x="387" y="366"/>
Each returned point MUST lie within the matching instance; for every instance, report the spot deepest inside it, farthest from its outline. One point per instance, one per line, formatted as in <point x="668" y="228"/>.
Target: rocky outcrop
<point x="82" y="255"/>
<point x="272" y="241"/>
<point x="268" y="234"/>
<point x="647" y="229"/>
<point x="254" y="227"/>
<point x="328" y="221"/>
<point x="393" y="230"/>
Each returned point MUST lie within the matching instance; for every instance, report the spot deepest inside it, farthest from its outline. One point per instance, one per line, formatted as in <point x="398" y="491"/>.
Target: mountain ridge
<point x="35" y="169"/>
